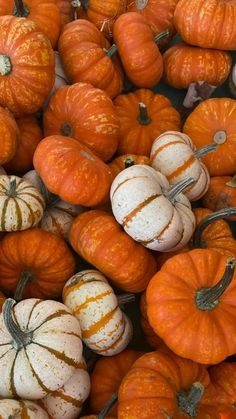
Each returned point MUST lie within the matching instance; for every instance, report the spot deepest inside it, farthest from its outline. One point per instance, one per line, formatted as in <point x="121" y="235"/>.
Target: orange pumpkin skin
<point x="139" y="53"/>
<point x="77" y="176"/>
<point x="137" y="134"/>
<point x="214" y="120"/>
<point x="151" y="337"/>
<point x="47" y="256"/>
<point x="122" y="162"/>
<point x="27" y="75"/>
<point x="185" y="64"/>
<point x="30" y="135"/>
<point x="9" y="136"/>
<point x="207" y="23"/>
<point x="83" y="49"/>
<point x="66" y="11"/>
<point x="174" y="288"/>
<point x="220" y="195"/>
<point x="45" y="13"/>
<point x="99" y="239"/>
<point x="2" y="299"/>
<point x="85" y="113"/>
<point x="222" y="390"/>
<point x="107" y="376"/>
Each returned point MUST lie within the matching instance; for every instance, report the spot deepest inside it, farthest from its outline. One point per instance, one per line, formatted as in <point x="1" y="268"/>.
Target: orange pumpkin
<point x="26" y="66"/>
<point x="122" y="162"/>
<point x="151" y="337"/>
<point x="29" y="137"/>
<point x="207" y="23"/>
<point x="143" y="116"/>
<point x="214" y="121"/>
<point x="2" y="299"/>
<point x="99" y="239"/>
<point x="76" y="175"/>
<point x="45" y="13"/>
<point x="87" y="57"/>
<point x="223" y="385"/>
<point x="9" y="135"/>
<point x="66" y="11"/>
<point x="85" y="113"/>
<point x="185" y="64"/>
<point x="138" y="50"/>
<point x="221" y="193"/>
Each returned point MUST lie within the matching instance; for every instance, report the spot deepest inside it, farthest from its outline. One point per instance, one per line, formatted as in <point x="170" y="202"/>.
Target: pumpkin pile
<point x="118" y="209"/>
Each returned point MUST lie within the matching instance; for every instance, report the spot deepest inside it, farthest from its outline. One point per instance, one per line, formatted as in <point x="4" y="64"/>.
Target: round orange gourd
<point x="9" y="136"/>
<point x="223" y="382"/>
<point x="221" y="193"/>
<point x="99" y="239"/>
<point x="207" y="23"/>
<point x="77" y="176"/>
<point x="214" y="121"/>
<point x="151" y="337"/>
<point x="143" y="116"/>
<point x="185" y="64"/>
<point x="122" y="162"/>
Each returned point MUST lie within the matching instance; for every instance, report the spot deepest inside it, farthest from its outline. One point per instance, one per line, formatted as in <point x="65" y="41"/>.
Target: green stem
<point x="5" y="65"/>
<point x="159" y="37"/>
<point x="125" y="298"/>
<point x="19" y="337"/>
<point x="175" y="190"/>
<point x="111" y="51"/>
<point x="129" y="162"/>
<point x="188" y="400"/>
<point x="85" y="4"/>
<point x="12" y="188"/>
<point x="108" y="406"/>
<point x="66" y="130"/>
<point x="143" y="118"/>
<point x="26" y="276"/>
<point x="21" y="9"/>
<point x="206" y="149"/>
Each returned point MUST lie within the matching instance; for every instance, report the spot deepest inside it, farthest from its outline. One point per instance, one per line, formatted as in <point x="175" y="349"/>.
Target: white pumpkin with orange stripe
<point x="175" y="156"/>
<point x="67" y="402"/>
<point x="151" y="211"/>
<point x="105" y="328"/>
<point x="21" y="409"/>
<point x="40" y="347"/>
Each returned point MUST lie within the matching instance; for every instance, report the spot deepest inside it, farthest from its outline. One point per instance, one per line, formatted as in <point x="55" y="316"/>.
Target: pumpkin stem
<point x="111" y="51"/>
<point x="5" y="65"/>
<point x="220" y="137"/>
<point x="21" y="9"/>
<point x="208" y="298"/>
<point x="26" y="276"/>
<point x="19" y="337"/>
<point x="125" y="298"/>
<point x="203" y="151"/>
<point x="188" y="400"/>
<point x="129" y="162"/>
<point x="232" y="182"/>
<point x="143" y="118"/>
<point x="178" y="188"/>
<point x="12" y="189"/>
<point x="141" y="4"/>
<point x="197" y="241"/>
<point x="66" y="130"/>
<point x="160" y="36"/>
<point x="85" y="4"/>
<point x="108" y="406"/>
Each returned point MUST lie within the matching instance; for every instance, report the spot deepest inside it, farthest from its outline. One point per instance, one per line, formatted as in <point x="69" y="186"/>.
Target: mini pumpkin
<point x="222" y="388"/>
<point x="20" y="408"/>
<point x="221" y="193"/>
<point x="122" y="162"/>
<point x="9" y="137"/>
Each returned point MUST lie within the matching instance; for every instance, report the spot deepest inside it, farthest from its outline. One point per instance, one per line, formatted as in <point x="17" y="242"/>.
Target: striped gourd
<point x="21" y="409"/>
<point x="151" y="212"/>
<point x="67" y="402"/>
<point x="105" y="328"/>
<point x="175" y="156"/>
<point x="40" y="347"/>
<point x="21" y="204"/>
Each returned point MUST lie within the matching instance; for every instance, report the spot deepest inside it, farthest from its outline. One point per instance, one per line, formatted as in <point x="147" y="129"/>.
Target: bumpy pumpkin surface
<point x="221" y="193"/>
<point x="9" y="138"/>
<point x="21" y="409"/>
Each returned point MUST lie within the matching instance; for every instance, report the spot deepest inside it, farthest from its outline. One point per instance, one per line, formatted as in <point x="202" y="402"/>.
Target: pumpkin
<point x="77" y="176"/>
<point x="21" y="204"/>
<point x="105" y="328"/>
<point x="98" y="238"/>
<point x="107" y="376"/>
<point x="87" y="56"/>
<point x="232" y="81"/>
<point x="26" y="65"/>
<point x="28" y="139"/>
<point x="173" y="154"/>
<point x="36" y="270"/>
<point x="40" y="347"/>
<point x="2" y="299"/>
<point x="138" y="49"/>
<point x="207" y="24"/>
<point x="222" y="388"/>
<point x="21" y="409"/>
<point x="9" y="135"/>
<point x="151" y="337"/>
<point x="197" y="290"/>
<point x="214" y="121"/>
<point x="138" y="194"/>
<point x="45" y="13"/>
<point x="221" y="193"/>
<point x="85" y="113"/>
<point x="67" y="402"/>
<point x="66" y="11"/>
<point x="143" y="116"/>
<point x="60" y="79"/>
<point x="185" y="64"/>
<point x="122" y="162"/>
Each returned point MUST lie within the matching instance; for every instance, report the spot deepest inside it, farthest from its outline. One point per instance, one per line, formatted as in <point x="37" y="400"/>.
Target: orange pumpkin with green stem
<point x="122" y="162"/>
<point x="221" y="193"/>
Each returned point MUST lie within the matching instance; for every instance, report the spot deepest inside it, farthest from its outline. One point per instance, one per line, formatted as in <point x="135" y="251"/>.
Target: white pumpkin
<point x="232" y="81"/>
<point x="40" y="347"/>
<point x="18" y="409"/>
<point x="60" y="78"/>
<point x="67" y="402"/>
<point x="105" y="328"/>
<point x="150" y="211"/>
<point x="21" y="204"/>
<point x="175" y="156"/>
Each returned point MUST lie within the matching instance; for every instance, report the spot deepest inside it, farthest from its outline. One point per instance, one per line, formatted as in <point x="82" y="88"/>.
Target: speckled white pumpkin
<point x="175" y="156"/>
<point x="150" y="211"/>
<point x="18" y="409"/>
<point x="105" y="328"/>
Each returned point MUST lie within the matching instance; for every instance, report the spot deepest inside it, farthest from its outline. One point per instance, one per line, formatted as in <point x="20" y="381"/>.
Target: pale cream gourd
<point x="21" y="204"/>
<point x="175" y="156"/>
<point x="21" y="409"/>
<point x="60" y="78"/>
<point x="232" y="81"/>
<point x="151" y="211"/>
<point x="67" y="402"/>
<point x="40" y="347"/>
<point x="105" y="328"/>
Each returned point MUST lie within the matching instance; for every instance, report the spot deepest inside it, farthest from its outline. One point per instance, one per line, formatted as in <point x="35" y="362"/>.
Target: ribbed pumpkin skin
<point x="220" y="195"/>
<point x="85" y="113"/>
<point x="208" y="118"/>
<point x="77" y="176"/>
<point x="9" y="135"/>
<point x="66" y="11"/>
<point x="223" y="385"/>
<point x="81" y="47"/>
<point x="25" y="88"/>
<point x="48" y="257"/>
<point x="152" y="339"/>
<point x="119" y="163"/>
<point x="103" y="14"/>
<point x="23" y="409"/>
<point x="185" y="64"/>
<point x="45" y="13"/>
<point x="98" y="238"/>
<point x="207" y="23"/>
<point x="139" y="54"/>
<point x="134" y="137"/>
